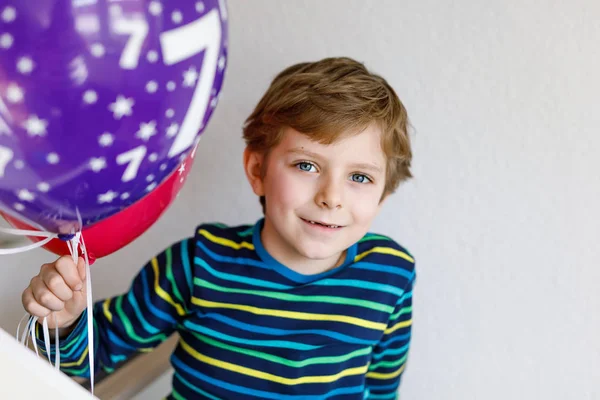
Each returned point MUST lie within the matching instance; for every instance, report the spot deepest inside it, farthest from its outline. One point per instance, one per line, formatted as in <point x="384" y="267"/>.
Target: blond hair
<point x="327" y="99"/>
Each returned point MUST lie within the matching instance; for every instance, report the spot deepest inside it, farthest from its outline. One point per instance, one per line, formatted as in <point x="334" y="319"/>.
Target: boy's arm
<point x="389" y="356"/>
<point x="138" y="320"/>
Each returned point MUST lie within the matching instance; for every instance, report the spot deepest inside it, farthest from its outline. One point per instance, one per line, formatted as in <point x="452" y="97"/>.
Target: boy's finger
<point x="32" y="306"/>
<point x="69" y="271"/>
<point x="57" y="285"/>
<point x="44" y="296"/>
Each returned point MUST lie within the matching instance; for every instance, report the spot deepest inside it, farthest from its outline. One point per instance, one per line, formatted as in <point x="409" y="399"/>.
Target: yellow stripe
<point x="159" y="291"/>
<point x="78" y="362"/>
<point x="384" y="250"/>
<point x="292" y="314"/>
<point x="107" y="312"/>
<point x="270" y="377"/>
<point x="225" y="242"/>
<point x="378" y="375"/>
<point x="401" y="324"/>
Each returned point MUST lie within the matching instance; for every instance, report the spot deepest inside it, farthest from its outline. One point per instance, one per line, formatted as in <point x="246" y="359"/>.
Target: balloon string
<point x="19" y="232"/>
<point x="28" y="332"/>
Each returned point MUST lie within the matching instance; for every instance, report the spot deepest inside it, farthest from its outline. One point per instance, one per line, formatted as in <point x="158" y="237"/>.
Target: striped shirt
<point x="251" y="328"/>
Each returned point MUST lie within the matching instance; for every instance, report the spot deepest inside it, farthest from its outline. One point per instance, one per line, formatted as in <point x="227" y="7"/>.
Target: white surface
<point x="25" y="376"/>
<point x="503" y="214"/>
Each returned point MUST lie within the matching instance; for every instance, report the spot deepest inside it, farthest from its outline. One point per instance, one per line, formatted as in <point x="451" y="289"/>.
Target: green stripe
<point x="129" y="328"/>
<point x="405" y="310"/>
<point x="171" y="278"/>
<point x="247" y="232"/>
<point x="292" y="297"/>
<point x="388" y="364"/>
<point x="373" y="237"/>
<point x="284" y="361"/>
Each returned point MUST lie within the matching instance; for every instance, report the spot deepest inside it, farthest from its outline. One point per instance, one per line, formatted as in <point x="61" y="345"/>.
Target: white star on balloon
<point x="19" y="206"/>
<point x="14" y="93"/>
<point x="200" y="7"/>
<point x="172" y="129"/>
<point x="189" y="77"/>
<point x="106" y="139"/>
<point x="19" y="164"/>
<point x="35" y="126"/>
<point x="153" y="157"/>
<point x="53" y="158"/>
<point x="9" y="14"/>
<point x="25" y="195"/>
<point x="176" y="16"/>
<point x="221" y="63"/>
<point x="25" y="65"/>
<point x="6" y="40"/>
<point x="124" y="196"/>
<point x="147" y="130"/>
<point x="107" y="197"/>
<point x="181" y="169"/>
<point x="150" y="178"/>
<point x="170" y="113"/>
<point x="150" y="187"/>
<point x="90" y="97"/>
<point x="43" y="187"/>
<point x="163" y="167"/>
<point x="151" y="86"/>
<point x="97" y="50"/>
<point x="121" y="107"/>
<point x="171" y="86"/>
<point x="97" y="164"/>
<point x="152" y="56"/>
<point x="155" y="8"/>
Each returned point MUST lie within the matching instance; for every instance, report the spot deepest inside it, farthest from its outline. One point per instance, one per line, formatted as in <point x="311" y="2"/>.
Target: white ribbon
<point x="29" y="330"/>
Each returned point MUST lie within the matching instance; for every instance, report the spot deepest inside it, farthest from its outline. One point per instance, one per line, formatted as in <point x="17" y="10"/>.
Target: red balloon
<point x="115" y="232"/>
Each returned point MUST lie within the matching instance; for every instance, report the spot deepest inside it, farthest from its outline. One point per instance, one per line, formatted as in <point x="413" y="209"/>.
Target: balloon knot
<point x="66" y="236"/>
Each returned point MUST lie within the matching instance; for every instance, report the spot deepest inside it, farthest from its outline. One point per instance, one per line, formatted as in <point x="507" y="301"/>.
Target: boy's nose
<point x="330" y="196"/>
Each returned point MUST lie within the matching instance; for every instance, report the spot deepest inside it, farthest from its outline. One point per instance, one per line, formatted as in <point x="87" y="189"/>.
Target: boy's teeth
<point x="329" y="226"/>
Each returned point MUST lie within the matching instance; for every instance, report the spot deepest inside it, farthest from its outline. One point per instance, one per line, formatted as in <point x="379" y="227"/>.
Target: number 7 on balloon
<point x="182" y="43"/>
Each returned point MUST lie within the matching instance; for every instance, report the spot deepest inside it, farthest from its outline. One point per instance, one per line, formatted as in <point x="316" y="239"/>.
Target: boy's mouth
<point x="320" y="223"/>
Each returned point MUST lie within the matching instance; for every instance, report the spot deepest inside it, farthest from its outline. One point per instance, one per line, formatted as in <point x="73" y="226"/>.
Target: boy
<point x="304" y="304"/>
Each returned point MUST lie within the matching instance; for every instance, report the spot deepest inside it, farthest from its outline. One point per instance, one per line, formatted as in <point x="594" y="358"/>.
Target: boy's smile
<point x="320" y="199"/>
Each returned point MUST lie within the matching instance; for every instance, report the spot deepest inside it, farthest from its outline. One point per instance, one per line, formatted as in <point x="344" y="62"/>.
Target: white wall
<point x="503" y="215"/>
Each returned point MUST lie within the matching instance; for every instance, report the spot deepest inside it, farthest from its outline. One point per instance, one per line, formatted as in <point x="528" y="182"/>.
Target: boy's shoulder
<point x="381" y="250"/>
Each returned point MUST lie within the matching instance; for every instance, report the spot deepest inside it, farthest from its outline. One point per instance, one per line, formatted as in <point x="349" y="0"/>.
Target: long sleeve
<point x="390" y="355"/>
<point x="136" y="321"/>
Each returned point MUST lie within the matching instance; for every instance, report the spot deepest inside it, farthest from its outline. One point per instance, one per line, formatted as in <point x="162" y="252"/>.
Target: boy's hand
<point x="59" y="288"/>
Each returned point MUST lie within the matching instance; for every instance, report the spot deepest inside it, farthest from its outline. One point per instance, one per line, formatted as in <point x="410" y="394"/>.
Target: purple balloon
<point x="100" y="101"/>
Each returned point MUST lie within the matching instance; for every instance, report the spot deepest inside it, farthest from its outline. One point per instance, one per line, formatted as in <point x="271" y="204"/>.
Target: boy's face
<point x="320" y="199"/>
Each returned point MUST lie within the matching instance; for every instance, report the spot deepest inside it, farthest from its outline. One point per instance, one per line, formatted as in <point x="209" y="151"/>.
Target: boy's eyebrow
<point x="363" y="166"/>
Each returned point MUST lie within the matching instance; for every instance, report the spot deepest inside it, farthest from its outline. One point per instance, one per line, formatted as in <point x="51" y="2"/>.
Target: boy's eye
<point x="360" y="178"/>
<point x="306" y="166"/>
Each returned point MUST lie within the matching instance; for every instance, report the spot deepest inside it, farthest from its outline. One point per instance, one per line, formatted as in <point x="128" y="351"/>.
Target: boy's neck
<point x="276" y="247"/>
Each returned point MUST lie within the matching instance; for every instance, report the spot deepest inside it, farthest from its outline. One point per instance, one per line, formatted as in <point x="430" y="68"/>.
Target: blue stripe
<point x="283" y="332"/>
<point x="361" y="285"/>
<point x="394" y="339"/>
<point x="265" y="343"/>
<point x="240" y="279"/>
<point x="383" y="268"/>
<point x="147" y="326"/>
<point x="155" y="311"/>
<point x="185" y="260"/>
<point x="391" y="352"/>
<point x="194" y="388"/>
<point x="390" y="387"/>
<point x="383" y="396"/>
<point x="117" y="340"/>
<point x="260" y="393"/>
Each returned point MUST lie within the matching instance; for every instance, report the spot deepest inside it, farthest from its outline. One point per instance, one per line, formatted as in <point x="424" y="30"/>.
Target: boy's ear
<point x="253" y="166"/>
